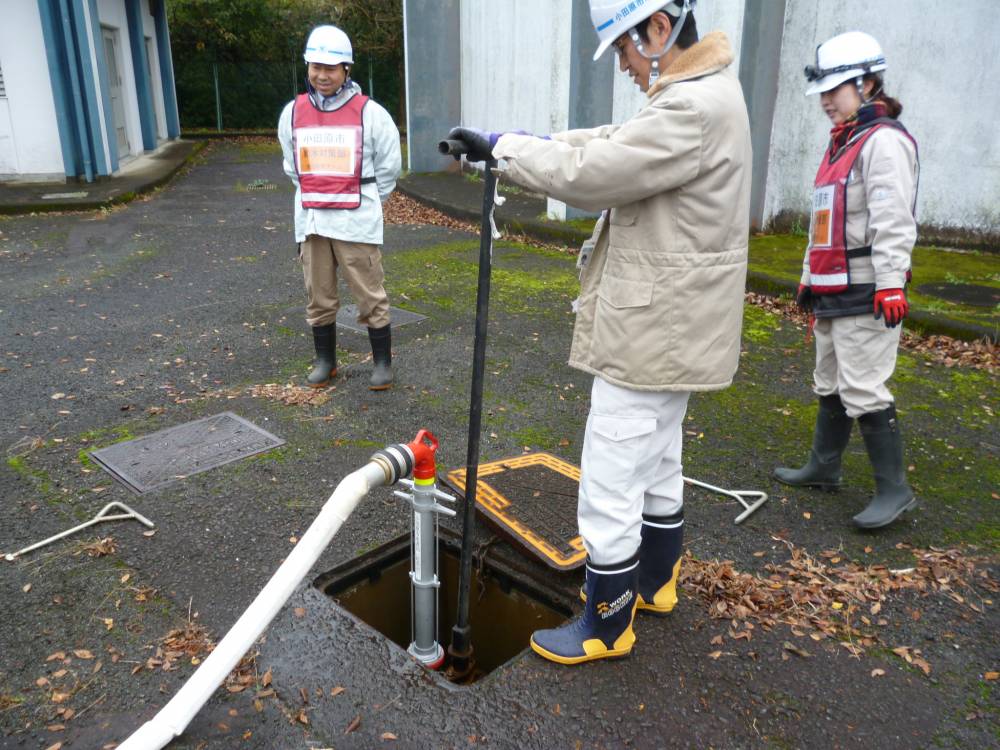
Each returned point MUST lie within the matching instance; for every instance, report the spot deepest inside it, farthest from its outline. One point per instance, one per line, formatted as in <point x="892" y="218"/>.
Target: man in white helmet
<point x="341" y="149"/>
<point x="855" y="271"/>
<point x="661" y="297"/>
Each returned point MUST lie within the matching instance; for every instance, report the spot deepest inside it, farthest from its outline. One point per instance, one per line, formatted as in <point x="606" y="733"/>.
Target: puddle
<point x="504" y="609"/>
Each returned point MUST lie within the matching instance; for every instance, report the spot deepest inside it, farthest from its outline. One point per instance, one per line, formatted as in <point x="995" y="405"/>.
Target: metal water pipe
<point x="424" y="558"/>
<point x="385" y="467"/>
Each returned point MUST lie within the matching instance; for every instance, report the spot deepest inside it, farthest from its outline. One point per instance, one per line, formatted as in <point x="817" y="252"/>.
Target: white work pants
<point x="855" y="356"/>
<point x="631" y="464"/>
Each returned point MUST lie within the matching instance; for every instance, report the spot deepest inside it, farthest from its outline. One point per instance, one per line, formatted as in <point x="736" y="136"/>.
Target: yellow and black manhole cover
<point x="531" y="499"/>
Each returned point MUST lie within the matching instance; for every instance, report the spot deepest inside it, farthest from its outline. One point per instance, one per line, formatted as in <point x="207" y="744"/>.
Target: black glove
<point x="804" y="298"/>
<point x="479" y="142"/>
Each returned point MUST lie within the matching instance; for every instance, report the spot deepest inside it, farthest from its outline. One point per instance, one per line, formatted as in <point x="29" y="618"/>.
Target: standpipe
<point x="424" y="558"/>
<point x="386" y="467"/>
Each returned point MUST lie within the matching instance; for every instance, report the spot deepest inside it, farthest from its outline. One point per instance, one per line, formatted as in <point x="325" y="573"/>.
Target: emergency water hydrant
<point x="424" y="558"/>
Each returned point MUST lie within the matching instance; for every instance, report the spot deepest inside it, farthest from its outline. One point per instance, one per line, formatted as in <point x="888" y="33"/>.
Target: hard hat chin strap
<point x="654" y="72"/>
<point x="860" y="83"/>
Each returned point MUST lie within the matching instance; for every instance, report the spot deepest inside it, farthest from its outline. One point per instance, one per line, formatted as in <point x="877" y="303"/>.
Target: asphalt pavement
<point x="188" y="302"/>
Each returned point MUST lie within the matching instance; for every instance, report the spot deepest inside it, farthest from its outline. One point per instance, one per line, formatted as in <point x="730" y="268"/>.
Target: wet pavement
<point x="122" y="322"/>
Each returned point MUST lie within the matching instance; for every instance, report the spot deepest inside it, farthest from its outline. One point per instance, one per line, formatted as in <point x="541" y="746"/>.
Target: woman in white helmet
<point x="855" y="271"/>
<point x="341" y="150"/>
<point x="661" y="297"/>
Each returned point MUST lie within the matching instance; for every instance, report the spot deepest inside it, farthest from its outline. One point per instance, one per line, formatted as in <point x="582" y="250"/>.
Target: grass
<point x="780" y="256"/>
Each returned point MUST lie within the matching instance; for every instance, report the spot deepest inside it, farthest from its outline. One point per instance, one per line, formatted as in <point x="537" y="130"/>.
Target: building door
<point x="115" y="82"/>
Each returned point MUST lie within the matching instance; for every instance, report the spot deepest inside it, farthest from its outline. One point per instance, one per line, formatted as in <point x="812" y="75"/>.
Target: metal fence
<point x="250" y="95"/>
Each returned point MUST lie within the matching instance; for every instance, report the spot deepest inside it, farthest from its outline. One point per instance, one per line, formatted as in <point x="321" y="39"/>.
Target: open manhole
<point x="504" y="607"/>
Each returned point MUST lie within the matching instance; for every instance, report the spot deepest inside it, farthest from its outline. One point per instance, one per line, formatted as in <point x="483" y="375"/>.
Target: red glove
<point x="892" y="304"/>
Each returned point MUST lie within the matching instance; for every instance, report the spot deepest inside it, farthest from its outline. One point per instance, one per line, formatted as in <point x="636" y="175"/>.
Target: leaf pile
<point x="189" y="643"/>
<point x="944" y="350"/>
<point x="292" y="395"/>
<point x="826" y="600"/>
<point x="401" y="209"/>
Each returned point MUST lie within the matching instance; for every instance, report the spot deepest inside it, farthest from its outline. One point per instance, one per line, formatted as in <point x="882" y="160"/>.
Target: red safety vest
<point x="828" y="252"/>
<point x="328" y="151"/>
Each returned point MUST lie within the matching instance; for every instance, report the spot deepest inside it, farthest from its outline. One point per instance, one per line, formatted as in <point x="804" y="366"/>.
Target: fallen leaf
<point x="388" y="736"/>
<point x="299" y="612"/>
<point x="266" y="679"/>
<point x="991" y="676"/>
<point x="109" y="623"/>
<point x="56" y="727"/>
<point x="792" y="648"/>
<point x="26" y="588"/>
<point x="82" y="653"/>
<point x="717" y="641"/>
<point x="355" y="723"/>
<point x="878" y="672"/>
<point x="715" y="655"/>
<point x="57" y="655"/>
<point x="807" y="515"/>
<point x="55" y="746"/>
<point x="302" y="718"/>
<point x="334" y="692"/>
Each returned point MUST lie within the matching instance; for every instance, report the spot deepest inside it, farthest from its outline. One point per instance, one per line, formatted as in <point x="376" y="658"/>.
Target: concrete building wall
<point x="944" y="70"/>
<point x="149" y="34"/>
<point x="29" y="135"/>
<point x="516" y="64"/>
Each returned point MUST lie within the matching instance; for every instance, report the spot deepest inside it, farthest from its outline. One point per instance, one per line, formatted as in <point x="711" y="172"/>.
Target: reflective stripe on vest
<point x="329" y="150"/>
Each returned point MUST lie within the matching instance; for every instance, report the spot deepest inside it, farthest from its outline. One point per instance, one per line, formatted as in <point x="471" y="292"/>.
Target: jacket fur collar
<point x="709" y="55"/>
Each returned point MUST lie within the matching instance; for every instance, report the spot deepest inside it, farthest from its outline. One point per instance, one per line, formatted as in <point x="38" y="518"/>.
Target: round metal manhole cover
<point x="963" y="294"/>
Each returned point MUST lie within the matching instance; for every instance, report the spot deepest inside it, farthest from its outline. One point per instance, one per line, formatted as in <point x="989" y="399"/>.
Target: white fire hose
<point x="386" y="467"/>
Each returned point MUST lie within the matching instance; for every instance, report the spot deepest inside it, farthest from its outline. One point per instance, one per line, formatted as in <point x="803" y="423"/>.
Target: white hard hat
<point x="612" y="18"/>
<point x="842" y="58"/>
<point x="328" y="45"/>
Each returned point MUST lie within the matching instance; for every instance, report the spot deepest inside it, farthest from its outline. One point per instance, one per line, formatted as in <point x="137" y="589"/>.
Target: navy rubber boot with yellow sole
<point x="659" y="563"/>
<point x="604" y="630"/>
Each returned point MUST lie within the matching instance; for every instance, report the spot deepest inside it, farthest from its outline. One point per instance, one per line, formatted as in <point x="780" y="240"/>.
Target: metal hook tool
<point x="100" y="517"/>
<point x="741" y="496"/>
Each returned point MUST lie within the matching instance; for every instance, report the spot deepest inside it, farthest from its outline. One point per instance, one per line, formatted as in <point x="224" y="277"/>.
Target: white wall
<point x="28" y="115"/>
<point x="942" y="66"/>
<point x="711" y="15"/>
<point x="515" y="64"/>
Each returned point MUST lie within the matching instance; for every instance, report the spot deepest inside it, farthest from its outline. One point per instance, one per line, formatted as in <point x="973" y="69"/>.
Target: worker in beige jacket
<point x="661" y="297"/>
<point x="855" y="271"/>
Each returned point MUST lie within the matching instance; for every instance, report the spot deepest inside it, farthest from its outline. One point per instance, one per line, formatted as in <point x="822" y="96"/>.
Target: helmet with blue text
<point x="328" y="45"/>
<point x="612" y="18"/>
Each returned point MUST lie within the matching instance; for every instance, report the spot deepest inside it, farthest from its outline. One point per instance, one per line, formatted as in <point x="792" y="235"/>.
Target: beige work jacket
<point x="661" y="300"/>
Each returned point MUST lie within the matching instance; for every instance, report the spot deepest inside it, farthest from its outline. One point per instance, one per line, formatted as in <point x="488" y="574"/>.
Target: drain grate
<point x="154" y="461"/>
<point x="347" y="317"/>
<point x="261" y="184"/>
<point x="531" y="499"/>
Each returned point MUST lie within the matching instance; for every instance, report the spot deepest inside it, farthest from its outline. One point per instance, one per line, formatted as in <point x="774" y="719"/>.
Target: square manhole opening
<point x="505" y="608"/>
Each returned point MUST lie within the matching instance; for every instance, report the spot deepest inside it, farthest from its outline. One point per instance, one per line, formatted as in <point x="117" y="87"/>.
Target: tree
<point x="254" y="48"/>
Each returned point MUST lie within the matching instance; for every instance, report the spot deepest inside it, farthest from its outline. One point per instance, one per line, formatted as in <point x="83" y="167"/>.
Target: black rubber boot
<point x="325" y="341"/>
<point x="884" y="444"/>
<point x="381" y="340"/>
<point x="833" y="431"/>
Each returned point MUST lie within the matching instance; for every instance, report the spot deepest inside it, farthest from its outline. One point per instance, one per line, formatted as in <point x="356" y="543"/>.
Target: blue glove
<point x="479" y="142"/>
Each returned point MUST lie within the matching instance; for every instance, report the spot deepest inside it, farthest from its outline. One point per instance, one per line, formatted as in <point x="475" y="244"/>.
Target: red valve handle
<point x="423" y="446"/>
